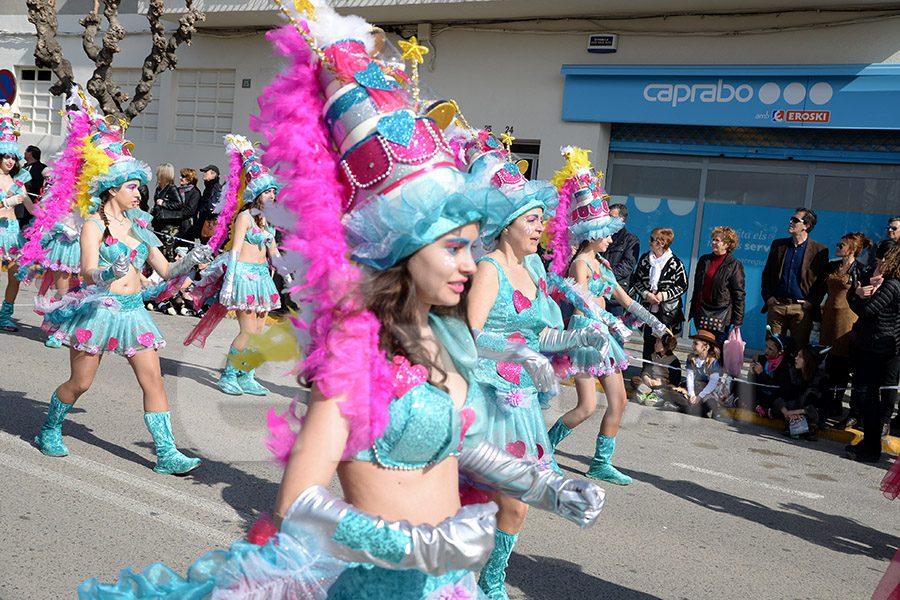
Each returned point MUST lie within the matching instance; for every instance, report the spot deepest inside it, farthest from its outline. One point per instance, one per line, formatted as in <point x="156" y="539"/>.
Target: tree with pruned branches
<point x="112" y="100"/>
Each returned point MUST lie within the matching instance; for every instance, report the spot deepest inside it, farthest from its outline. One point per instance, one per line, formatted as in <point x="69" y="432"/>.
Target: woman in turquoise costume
<point x="394" y="409"/>
<point x="514" y="320"/>
<point x="588" y="221"/>
<point x="246" y="286"/>
<point x="12" y="193"/>
<point x="109" y="316"/>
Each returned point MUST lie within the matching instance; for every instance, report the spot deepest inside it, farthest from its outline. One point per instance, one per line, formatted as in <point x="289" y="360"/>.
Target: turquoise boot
<point x="558" y="433"/>
<point x="228" y="382"/>
<point x="600" y="465"/>
<point x="249" y="385"/>
<point x="493" y="573"/>
<point x="49" y="438"/>
<point x="52" y="342"/>
<point x="6" y="321"/>
<point x="168" y="459"/>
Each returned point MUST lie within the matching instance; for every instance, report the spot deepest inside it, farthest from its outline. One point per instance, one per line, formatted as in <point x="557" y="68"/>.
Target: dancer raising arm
<point x="587" y="220"/>
<point x="109" y="316"/>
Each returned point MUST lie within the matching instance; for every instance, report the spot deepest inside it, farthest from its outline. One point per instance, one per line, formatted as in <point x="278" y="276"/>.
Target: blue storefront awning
<point x="819" y="96"/>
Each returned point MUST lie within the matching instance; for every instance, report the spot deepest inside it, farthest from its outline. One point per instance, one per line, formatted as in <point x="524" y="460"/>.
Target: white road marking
<point x="117" y="500"/>
<point x="768" y="486"/>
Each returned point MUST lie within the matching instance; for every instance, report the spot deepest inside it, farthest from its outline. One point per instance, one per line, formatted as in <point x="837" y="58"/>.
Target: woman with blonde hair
<point x="167" y="208"/>
<point x="659" y="281"/>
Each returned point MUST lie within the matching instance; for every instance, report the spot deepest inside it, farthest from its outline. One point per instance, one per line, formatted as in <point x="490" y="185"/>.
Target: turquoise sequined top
<point x="111" y="248"/>
<point x="260" y="237"/>
<point x="513" y="314"/>
<point x="425" y="427"/>
<point x="603" y="282"/>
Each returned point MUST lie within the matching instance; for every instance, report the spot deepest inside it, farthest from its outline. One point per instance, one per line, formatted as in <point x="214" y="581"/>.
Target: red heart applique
<point x="274" y="297"/>
<point x="467" y="418"/>
<point x="146" y="338"/>
<point x="516" y="448"/>
<point x="250" y="298"/>
<point x="83" y="335"/>
<point x="540" y="451"/>
<point x="407" y="376"/>
<point x="112" y="344"/>
<point x="509" y="371"/>
<point x="520" y="301"/>
<point x="517" y="338"/>
<point x="542" y="284"/>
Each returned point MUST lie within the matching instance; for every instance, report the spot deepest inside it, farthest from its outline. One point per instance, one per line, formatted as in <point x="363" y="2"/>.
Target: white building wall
<point x="501" y="79"/>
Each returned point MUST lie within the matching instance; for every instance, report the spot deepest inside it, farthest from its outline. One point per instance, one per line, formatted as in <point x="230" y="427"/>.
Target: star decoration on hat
<point x="305" y="6"/>
<point x="412" y="50"/>
<point x="507" y="139"/>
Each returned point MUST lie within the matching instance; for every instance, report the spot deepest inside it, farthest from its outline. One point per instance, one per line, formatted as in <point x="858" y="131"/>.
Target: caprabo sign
<point x="722" y="92"/>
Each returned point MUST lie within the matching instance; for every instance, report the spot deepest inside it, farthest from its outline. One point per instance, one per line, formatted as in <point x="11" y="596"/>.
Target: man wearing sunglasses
<point x="793" y="280"/>
<point x="893" y="234"/>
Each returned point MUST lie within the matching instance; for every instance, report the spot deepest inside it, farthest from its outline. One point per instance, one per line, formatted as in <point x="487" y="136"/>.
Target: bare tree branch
<point x="48" y="53"/>
<point x="162" y="56"/>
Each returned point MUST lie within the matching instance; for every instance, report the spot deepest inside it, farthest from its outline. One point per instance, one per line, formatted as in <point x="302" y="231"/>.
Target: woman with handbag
<point x="659" y="280"/>
<point x="717" y="303"/>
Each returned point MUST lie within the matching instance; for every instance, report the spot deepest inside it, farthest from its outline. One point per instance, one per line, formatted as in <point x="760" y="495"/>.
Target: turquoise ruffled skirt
<point x="62" y="254"/>
<point x="589" y="360"/>
<point x="515" y="422"/>
<point x="11" y="239"/>
<point x="280" y="569"/>
<point x="254" y="288"/>
<point x="93" y="321"/>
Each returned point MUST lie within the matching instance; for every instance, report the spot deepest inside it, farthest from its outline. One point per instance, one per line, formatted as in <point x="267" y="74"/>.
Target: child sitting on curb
<point x="655" y="380"/>
<point x="771" y="369"/>
<point x="707" y="384"/>
<point x="800" y="403"/>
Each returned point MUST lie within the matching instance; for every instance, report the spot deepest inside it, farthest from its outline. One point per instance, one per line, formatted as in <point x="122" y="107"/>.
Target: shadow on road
<point x="557" y="579"/>
<point x="833" y="532"/>
<point x="209" y="377"/>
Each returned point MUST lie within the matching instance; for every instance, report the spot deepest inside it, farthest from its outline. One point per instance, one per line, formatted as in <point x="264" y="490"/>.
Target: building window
<point x="37" y="104"/>
<point x="143" y="127"/>
<point x="204" y="106"/>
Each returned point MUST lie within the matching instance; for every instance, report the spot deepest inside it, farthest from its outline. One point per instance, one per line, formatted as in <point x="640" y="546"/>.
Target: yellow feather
<point x="96" y="162"/>
<point x="576" y="159"/>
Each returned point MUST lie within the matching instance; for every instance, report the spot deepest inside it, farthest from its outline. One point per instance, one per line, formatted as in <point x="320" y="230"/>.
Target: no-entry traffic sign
<point x="7" y="86"/>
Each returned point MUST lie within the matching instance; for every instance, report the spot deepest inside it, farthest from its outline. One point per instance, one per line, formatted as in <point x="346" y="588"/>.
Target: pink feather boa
<point x="560" y="244"/>
<point x="58" y="200"/>
<point x="226" y="216"/>
<point x="343" y="357"/>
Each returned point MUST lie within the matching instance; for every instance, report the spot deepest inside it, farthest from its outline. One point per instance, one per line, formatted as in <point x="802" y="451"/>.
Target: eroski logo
<point x="704" y="92"/>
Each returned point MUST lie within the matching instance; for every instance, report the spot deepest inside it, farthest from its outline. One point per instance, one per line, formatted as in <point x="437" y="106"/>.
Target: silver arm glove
<point x="227" y="292"/>
<point x="117" y="270"/>
<point x="70" y="232"/>
<point x="197" y="255"/>
<point x="622" y="331"/>
<point x="459" y="542"/>
<point x="554" y="340"/>
<point x="647" y="317"/>
<point x="535" y="364"/>
<point x="575" y="500"/>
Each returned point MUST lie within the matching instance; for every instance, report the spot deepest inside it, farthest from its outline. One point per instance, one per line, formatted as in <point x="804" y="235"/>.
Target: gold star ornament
<point x="412" y="50"/>
<point x="305" y="6"/>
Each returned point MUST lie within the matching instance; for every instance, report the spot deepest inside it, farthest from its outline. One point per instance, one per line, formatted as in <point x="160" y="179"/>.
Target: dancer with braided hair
<point x="109" y="316"/>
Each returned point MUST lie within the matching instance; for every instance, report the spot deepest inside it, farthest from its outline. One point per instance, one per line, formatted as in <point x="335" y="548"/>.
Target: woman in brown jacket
<point x="719" y="282"/>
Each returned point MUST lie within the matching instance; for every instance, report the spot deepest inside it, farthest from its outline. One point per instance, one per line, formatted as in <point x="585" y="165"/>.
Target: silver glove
<point x="464" y="541"/>
<point x="618" y="327"/>
<point x="535" y="364"/>
<point x="197" y="255"/>
<point x="227" y="291"/>
<point x="647" y="317"/>
<point x="521" y="479"/>
<point x="10" y="201"/>
<point x="70" y="232"/>
<point x="117" y="270"/>
<point x="554" y="340"/>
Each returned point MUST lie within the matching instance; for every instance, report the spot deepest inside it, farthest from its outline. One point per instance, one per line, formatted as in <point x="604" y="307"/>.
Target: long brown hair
<point x="104" y="198"/>
<point x="256" y="212"/>
<point x="391" y="296"/>
<point x="712" y="355"/>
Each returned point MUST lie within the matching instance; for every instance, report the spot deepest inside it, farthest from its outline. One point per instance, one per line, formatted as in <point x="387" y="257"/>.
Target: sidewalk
<point x="889" y="444"/>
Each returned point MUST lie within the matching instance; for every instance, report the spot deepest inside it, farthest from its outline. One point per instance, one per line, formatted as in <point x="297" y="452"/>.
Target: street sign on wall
<point x="7" y="86"/>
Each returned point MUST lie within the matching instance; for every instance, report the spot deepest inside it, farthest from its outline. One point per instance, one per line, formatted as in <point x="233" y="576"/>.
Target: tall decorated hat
<point x="107" y="159"/>
<point x="9" y="132"/>
<point x="488" y="159"/>
<point x="247" y="179"/>
<point x="584" y="208"/>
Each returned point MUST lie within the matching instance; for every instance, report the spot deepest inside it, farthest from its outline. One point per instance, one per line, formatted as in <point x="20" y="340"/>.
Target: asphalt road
<point x="717" y="510"/>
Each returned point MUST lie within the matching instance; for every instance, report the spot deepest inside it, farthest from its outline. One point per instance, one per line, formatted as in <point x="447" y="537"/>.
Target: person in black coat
<point x="167" y="209"/>
<point x="191" y="196"/>
<point x="212" y="189"/>
<point x="878" y="352"/>
<point x="773" y="368"/>
<point x="622" y="255"/>
<point x="35" y="168"/>
<point x="719" y="281"/>
<point x="807" y="394"/>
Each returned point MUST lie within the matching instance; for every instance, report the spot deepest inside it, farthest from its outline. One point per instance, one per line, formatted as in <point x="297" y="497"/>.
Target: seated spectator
<point x="806" y="395"/>
<point x="771" y="369"/>
<point x="706" y="384"/>
<point x="654" y="379"/>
